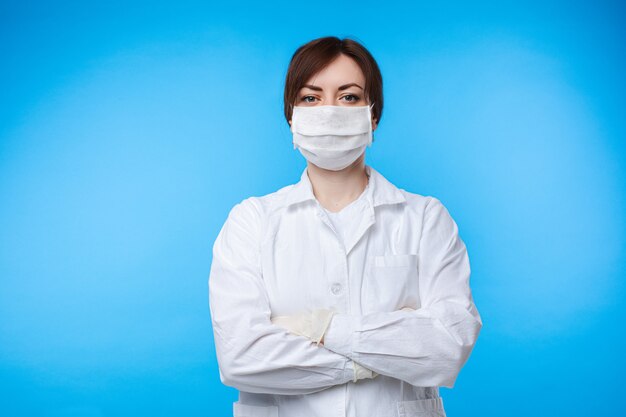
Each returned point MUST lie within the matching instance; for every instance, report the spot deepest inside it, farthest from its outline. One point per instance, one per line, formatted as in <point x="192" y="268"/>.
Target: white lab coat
<point x="278" y="254"/>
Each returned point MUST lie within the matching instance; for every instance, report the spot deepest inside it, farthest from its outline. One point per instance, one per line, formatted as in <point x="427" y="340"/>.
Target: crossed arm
<point x="260" y="354"/>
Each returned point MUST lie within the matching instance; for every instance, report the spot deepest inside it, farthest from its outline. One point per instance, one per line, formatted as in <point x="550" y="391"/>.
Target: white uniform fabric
<point x="277" y="254"/>
<point x="346" y="221"/>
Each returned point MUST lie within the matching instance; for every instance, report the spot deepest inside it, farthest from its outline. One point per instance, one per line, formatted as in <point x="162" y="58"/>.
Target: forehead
<point x="342" y="70"/>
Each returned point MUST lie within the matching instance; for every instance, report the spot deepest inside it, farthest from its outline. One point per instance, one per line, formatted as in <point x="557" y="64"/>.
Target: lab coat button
<point x="336" y="288"/>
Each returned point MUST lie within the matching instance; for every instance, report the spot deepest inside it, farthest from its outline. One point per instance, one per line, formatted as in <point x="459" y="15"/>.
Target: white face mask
<point x="331" y="137"/>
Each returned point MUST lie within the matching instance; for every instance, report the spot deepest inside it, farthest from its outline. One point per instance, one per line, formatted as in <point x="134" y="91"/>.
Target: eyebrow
<point x="341" y="88"/>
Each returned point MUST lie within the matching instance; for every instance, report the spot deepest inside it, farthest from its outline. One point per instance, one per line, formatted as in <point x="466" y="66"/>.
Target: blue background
<point x="128" y="130"/>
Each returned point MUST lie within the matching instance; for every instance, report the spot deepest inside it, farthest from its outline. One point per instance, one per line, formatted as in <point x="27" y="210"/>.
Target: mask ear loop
<point x="291" y="127"/>
<point x="371" y="107"/>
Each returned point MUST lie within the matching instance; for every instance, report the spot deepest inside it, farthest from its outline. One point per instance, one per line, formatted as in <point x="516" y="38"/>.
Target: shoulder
<point x="431" y="211"/>
<point x="421" y="204"/>
<point x="255" y="209"/>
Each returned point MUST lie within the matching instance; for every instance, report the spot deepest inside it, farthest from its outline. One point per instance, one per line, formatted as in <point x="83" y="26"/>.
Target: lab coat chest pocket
<point x="244" y="410"/>
<point x="429" y="407"/>
<point x="393" y="282"/>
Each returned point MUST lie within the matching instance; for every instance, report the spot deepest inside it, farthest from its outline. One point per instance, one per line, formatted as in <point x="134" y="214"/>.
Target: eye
<point x="306" y="99"/>
<point x="350" y="98"/>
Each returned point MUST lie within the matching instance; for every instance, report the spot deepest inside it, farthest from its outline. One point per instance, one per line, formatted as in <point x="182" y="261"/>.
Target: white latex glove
<point x="311" y="324"/>
<point x="361" y="372"/>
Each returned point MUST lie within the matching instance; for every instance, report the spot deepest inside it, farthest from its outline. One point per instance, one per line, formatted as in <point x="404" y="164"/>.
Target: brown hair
<point x="313" y="56"/>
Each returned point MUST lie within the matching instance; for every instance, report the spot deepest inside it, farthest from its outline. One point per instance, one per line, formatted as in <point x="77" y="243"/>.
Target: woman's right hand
<point x="361" y="372"/>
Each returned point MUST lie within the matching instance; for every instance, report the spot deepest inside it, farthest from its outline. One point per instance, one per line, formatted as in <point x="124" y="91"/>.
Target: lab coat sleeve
<point x="427" y="346"/>
<point x="255" y="355"/>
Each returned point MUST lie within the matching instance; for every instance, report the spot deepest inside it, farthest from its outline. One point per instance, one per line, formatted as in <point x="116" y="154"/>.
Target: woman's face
<point x="341" y="83"/>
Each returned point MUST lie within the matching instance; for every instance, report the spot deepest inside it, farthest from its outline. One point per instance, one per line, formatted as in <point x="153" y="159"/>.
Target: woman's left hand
<point x="310" y="324"/>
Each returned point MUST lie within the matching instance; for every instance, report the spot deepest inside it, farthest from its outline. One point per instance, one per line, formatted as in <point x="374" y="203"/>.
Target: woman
<point x="340" y="295"/>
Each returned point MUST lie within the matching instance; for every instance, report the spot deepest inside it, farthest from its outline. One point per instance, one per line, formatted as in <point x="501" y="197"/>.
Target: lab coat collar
<point x="381" y="191"/>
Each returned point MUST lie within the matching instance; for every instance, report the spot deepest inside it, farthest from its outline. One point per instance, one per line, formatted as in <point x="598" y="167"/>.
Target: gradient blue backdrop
<point x="128" y="130"/>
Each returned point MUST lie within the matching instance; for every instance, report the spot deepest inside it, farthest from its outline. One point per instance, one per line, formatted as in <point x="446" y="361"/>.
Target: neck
<point x="336" y="189"/>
